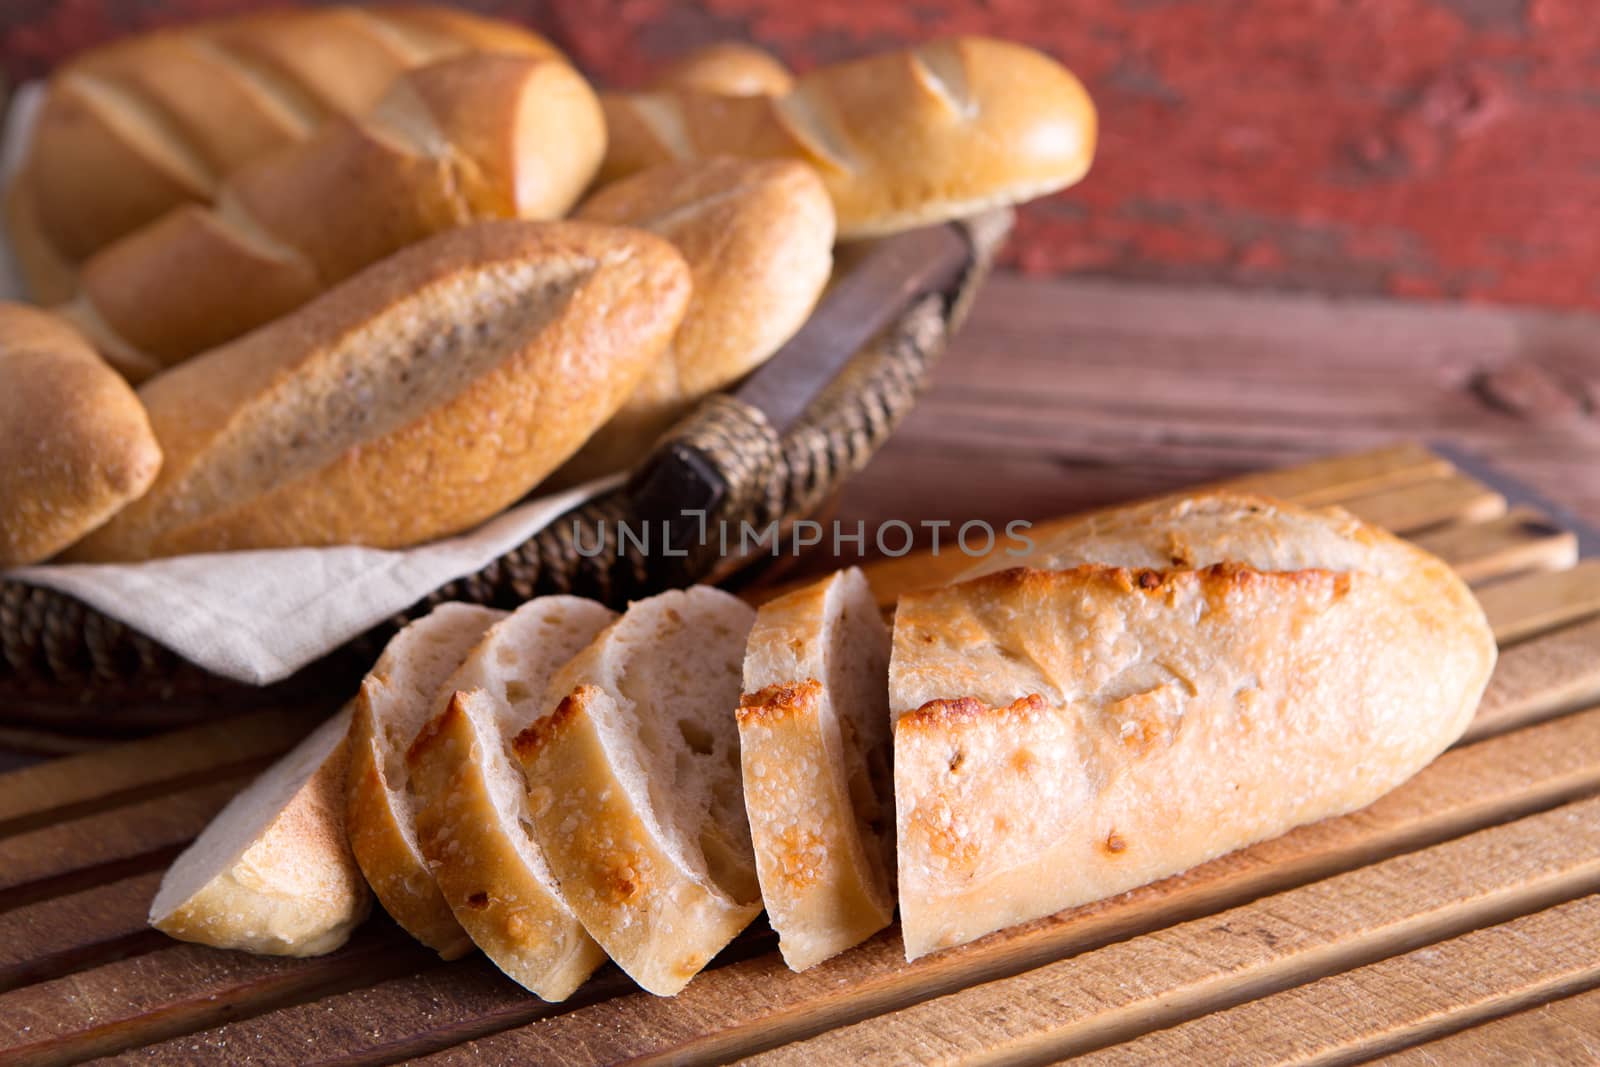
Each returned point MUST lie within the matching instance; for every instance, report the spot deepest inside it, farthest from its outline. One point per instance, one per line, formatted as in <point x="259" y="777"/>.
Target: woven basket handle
<point x="686" y="476"/>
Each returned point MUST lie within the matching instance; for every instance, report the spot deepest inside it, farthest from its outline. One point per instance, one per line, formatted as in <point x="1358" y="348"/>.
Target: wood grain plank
<point x="1388" y="1005"/>
<point x="1406" y="509"/>
<point x="75" y="784"/>
<point x="1328" y="481"/>
<point x="110" y="844"/>
<point x="1133" y="987"/>
<point x="742" y="1007"/>
<point x="1521" y="540"/>
<point x="183" y="988"/>
<point x="383" y="1023"/>
<point x="1540" y="678"/>
<point x="1562" y="1031"/>
<point x="93" y="926"/>
<point x="1519" y="608"/>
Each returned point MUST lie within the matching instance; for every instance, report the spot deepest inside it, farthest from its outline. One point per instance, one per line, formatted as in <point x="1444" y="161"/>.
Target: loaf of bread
<point x="1162" y="684"/>
<point x="394" y="703"/>
<point x="476" y="137"/>
<point x="471" y="800"/>
<point x="902" y="139"/>
<point x="731" y="68"/>
<point x="413" y="401"/>
<point x="75" y="443"/>
<point x="273" y="873"/>
<point x="634" y="788"/>
<point x="758" y="238"/>
<point x="171" y="114"/>
<point x="814" y="747"/>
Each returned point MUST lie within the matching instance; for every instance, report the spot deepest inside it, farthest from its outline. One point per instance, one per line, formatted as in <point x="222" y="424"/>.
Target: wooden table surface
<point x="1066" y="393"/>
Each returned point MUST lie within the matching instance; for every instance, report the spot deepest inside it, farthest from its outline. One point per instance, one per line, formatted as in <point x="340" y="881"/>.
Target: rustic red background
<point x="1428" y="148"/>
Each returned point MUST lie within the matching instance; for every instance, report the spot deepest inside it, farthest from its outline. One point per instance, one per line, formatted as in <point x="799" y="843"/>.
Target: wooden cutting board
<point x="1455" y="919"/>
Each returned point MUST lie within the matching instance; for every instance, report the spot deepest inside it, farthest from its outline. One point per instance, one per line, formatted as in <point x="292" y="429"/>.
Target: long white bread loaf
<point x="273" y="872"/>
<point x="814" y="746"/>
<point x="415" y="400"/>
<point x="171" y="114"/>
<point x="394" y="703"/>
<point x="634" y="786"/>
<point x="477" y="137"/>
<point x="1170" y="682"/>
<point x="471" y="800"/>
<point x="758" y="238"/>
<point x="901" y="139"/>
<point x="75" y="443"/>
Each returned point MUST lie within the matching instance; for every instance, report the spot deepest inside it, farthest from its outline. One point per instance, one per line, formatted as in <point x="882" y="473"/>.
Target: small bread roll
<point x="758" y="238"/>
<point x="75" y="442"/>
<point x="731" y="68"/>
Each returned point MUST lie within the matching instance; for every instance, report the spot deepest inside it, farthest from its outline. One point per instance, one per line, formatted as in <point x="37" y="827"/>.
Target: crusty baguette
<point x="474" y="137"/>
<point x="170" y="114"/>
<point x="413" y="401"/>
<point x="758" y="238"/>
<point x="814" y="745"/>
<point x="75" y="442"/>
<point x="471" y="800"/>
<point x="634" y="786"/>
<point x="732" y="68"/>
<point x="902" y="139"/>
<point x="1185" y="678"/>
<point x="394" y="703"/>
<point x="273" y="872"/>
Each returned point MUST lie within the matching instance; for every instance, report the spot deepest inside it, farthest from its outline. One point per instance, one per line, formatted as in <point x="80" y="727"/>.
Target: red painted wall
<point x="1430" y="148"/>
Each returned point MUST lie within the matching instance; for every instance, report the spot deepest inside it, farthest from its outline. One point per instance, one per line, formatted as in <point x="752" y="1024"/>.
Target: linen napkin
<point x="258" y="617"/>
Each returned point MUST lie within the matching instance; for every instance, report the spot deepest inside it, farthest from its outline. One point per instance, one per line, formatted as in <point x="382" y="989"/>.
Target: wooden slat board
<point x="1453" y="921"/>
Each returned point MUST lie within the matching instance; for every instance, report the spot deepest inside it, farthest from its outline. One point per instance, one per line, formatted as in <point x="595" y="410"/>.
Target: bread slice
<point x="634" y="786"/>
<point x="814" y="744"/>
<point x="394" y="703"/>
<point x="273" y="872"/>
<point x="471" y="800"/>
<point x="1187" y="677"/>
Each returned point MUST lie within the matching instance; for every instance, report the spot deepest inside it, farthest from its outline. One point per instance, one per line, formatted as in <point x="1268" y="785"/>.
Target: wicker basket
<point x="64" y="665"/>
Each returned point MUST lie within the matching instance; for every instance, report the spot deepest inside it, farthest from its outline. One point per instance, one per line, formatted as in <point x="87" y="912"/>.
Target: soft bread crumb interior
<point x="675" y="670"/>
<point x="504" y="680"/>
<point x="247" y="817"/>
<point x="857" y="690"/>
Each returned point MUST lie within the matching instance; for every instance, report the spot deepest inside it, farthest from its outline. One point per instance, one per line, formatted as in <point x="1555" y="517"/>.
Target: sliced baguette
<point x="1187" y="677"/>
<point x="634" y="786"/>
<point x="273" y="872"/>
<point x="471" y="800"/>
<point x="393" y="704"/>
<point x="814" y="745"/>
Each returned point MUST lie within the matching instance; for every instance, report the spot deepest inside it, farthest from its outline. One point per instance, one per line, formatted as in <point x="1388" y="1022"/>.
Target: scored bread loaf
<point x="634" y="786"/>
<point x="273" y="872"/>
<point x="902" y="139"/>
<point x="731" y="68"/>
<point x="413" y="401"/>
<point x="814" y="746"/>
<point x="171" y="114"/>
<point x="75" y="442"/>
<point x="393" y="704"/>
<point x="476" y="137"/>
<point x="758" y="238"/>
<point x="1162" y="684"/>
<point x="471" y="800"/>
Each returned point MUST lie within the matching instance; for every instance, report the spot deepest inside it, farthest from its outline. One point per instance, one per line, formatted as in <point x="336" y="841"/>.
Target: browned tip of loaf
<point x="940" y="714"/>
<point x="530" y="742"/>
<point x="778" y="701"/>
<point x="728" y="68"/>
<point x="434" y="729"/>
